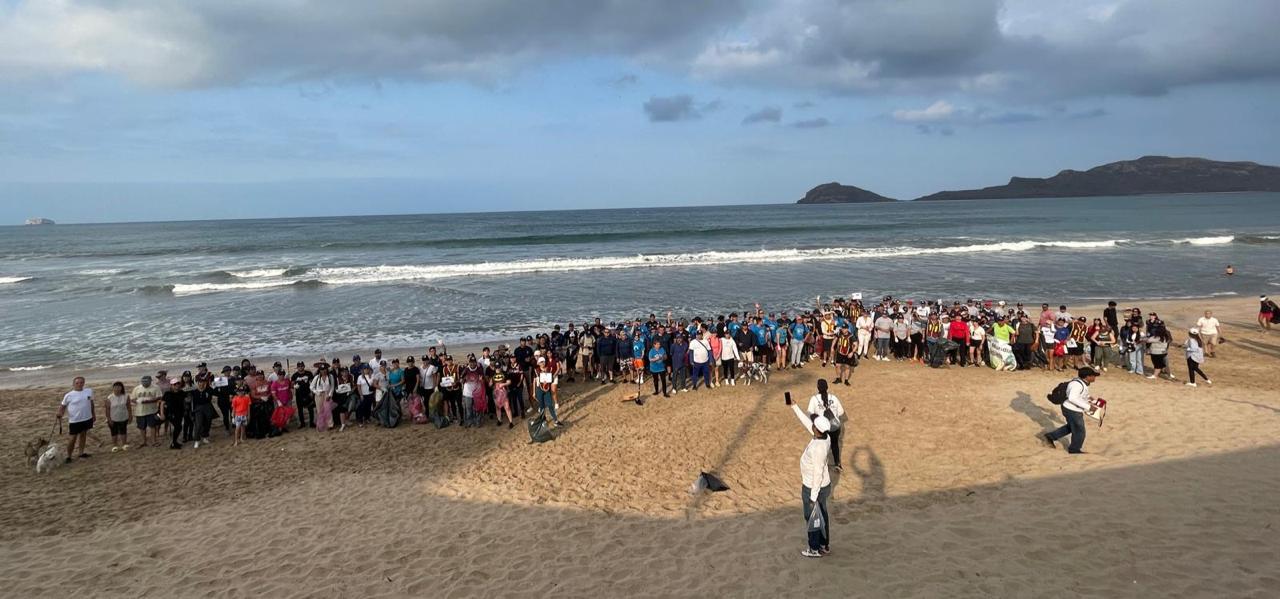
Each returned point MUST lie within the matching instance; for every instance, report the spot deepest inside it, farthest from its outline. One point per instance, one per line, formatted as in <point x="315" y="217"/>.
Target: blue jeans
<point x="818" y="539"/>
<point x="1074" y="427"/>
<point x="882" y="347"/>
<point x="1135" y="361"/>
<point x="547" y="402"/>
<point x="701" y="371"/>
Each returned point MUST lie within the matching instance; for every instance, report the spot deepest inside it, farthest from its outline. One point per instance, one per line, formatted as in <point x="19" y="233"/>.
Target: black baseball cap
<point x="1086" y="372"/>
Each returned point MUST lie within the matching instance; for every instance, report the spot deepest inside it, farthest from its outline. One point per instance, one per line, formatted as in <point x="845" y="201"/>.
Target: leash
<point x="58" y="426"/>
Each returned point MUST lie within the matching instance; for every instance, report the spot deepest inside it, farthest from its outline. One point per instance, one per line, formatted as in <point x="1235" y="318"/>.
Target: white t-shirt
<point x="701" y="350"/>
<point x="79" y="405"/>
<point x="429" y="377"/>
<point x="366" y="384"/>
<point x="1208" y="326"/>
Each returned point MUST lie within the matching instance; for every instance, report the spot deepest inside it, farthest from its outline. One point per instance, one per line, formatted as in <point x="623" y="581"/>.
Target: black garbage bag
<point x="539" y="432"/>
<point x="388" y="411"/>
<point x="709" y="481"/>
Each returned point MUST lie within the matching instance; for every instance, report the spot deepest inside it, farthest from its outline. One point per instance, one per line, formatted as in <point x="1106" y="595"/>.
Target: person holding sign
<point x="815" y="487"/>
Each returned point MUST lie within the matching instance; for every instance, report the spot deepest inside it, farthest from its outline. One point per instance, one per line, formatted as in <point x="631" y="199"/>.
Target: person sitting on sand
<point x="1267" y="310"/>
<point x="1073" y="409"/>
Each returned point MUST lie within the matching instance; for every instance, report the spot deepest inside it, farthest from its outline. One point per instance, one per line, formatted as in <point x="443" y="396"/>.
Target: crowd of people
<point x="673" y="355"/>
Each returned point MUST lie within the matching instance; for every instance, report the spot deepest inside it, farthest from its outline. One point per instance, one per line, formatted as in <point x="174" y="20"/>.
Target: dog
<point x="33" y="451"/>
<point x="46" y="456"/>
<point x="756" y="373"/>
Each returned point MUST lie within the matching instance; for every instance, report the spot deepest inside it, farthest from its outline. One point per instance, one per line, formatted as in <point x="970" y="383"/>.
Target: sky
<point x="120" y="110"/>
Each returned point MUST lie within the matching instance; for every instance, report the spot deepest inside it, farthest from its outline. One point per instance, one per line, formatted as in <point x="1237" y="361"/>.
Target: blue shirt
<point x="761" y="334"/>
<point x="657" y="360"/>
<point x="637" y="348"/>
<point x="798" y="330"/>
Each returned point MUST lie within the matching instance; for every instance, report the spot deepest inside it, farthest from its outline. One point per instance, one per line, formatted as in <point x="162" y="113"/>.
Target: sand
<point x="946" y="492"/>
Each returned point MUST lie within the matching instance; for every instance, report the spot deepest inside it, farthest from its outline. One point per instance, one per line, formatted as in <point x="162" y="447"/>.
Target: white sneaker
<point x="342" y="428"/>
<point x="197" y="445"/>
<point x="1191" y="384"/>
<point x="1151" y="376"/>
<point x="810" y="553"/>
<point x="1208" y="382"/>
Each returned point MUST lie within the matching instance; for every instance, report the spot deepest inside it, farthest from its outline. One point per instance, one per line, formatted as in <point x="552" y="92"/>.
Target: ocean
<point x="124" y="295"/>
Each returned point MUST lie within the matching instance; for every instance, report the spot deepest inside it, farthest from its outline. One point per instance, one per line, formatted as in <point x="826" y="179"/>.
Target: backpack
<point x="1059" y="394"/>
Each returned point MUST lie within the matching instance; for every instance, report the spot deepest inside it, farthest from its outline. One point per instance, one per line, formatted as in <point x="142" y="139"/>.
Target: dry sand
<point x="946" y="492"/>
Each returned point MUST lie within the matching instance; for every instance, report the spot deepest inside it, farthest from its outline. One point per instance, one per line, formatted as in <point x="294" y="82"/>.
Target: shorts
<point x="118" y="428"/>
<point x="1078" y="350"/>
<point x="148" y="421"/>
<point x="81" y="427"/>
<point x="239" y="421"/>
<point x="844" y="360"/>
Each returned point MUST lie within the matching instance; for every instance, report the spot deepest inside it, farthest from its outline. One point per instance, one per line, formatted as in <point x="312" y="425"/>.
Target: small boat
<point x="39" y="221"/>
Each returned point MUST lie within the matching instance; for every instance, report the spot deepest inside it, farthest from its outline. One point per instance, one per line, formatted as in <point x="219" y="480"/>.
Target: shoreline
<point x="1235" y="306"/>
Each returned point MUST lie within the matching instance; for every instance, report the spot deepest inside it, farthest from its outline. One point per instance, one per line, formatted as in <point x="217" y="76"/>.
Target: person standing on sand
<point x="1073" y="409"/>
<point x="321" y="387"/>
<point x="119" y="414"/>
<point x="829" y="407"/>
<point x="1195" y="357"/>
<point x="815" y="485"/>
<point x="145" y="399"/>
<point x="173" y="410"/>
<point x="77" y="407"/>
<point x="1208" y="326"/>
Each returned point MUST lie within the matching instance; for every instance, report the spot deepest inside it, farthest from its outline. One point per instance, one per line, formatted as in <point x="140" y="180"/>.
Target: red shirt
<point x="958" y="329"/>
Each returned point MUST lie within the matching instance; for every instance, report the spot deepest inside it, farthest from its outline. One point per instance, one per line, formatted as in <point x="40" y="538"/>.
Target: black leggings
<point x="454" y="398"/>
<point x="659" y="378"/>
<point x="728" y="369"/>
<point x="307" y="407"/>
<point x="224" y="406"/>
<point x="176" y="422"/>
<point x="834" y="435"/>
<point x="1193" y="368"/>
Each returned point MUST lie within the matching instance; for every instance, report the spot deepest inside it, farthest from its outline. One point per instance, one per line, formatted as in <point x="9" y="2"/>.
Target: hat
<point x="1194" y="331"/>
<point x="276" y="364"/>
<point x="202" y="365"/>
<point x="175" y="381"/>
<point x="226" y="369"/>
<point x="355" y="358"/>
<point x="542" y="360"/>
<point x="822" y="424"/>
<point x="1086" y="372"/>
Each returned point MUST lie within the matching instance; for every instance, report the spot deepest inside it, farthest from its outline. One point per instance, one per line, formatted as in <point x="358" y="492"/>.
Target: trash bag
<point x="539" y="432"/>
<point x="416" y="410"/>
<point x="707" y="482"/>
<point x="280" y="417"/>
<point x="388" y="412"/>
<point x="815" y="518"/>
<point x="1000" y="355"/>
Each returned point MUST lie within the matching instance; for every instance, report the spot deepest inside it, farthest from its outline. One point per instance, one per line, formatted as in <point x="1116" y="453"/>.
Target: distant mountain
<point x="1149" y="174"/>
<point x="835" y="193"/>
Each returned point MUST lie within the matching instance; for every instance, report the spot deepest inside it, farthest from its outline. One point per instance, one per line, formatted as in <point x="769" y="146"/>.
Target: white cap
<point x="822" y="424"/>
<point x="1194" y="331"/>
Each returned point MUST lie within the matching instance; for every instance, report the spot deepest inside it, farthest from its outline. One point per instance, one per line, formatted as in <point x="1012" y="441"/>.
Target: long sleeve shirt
<point x="813" y="462"/>
<point x="1077" y="396"/>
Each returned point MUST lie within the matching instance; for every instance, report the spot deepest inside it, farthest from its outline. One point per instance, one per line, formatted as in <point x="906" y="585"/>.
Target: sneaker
<point x="115" y="449"/>
<point x="1208" y="382"/>
<point x="1048" y="440"/>
<point x="1191" y="384"/>
<point x="342" y="428"/>
<point x="197" y="445"/>
<point x="811" y="553"/>
<point x="124" y="447"/>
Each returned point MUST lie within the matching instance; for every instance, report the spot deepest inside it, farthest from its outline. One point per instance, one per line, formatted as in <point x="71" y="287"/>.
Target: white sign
<point x="856" y="296"/>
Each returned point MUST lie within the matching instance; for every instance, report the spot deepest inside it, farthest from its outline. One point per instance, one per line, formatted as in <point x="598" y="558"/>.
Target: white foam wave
<point x="29" y="368"/>
<point x="378" y="274"/>
<point x="260" y="273"/>
<point x="1208" y="240"/>
<point x="98" y="272"/>
<point x="195" y="288"/>
<point x="9" y="280"/>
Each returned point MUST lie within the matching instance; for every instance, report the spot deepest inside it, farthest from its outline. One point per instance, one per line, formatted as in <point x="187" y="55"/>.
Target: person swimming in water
<point x="1231" y="270"/>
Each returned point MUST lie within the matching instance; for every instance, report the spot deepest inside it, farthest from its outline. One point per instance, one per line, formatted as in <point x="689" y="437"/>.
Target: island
<point x="39" y="221"/>
<point x="1146" y="175"/>
<point x="835" y="193"/>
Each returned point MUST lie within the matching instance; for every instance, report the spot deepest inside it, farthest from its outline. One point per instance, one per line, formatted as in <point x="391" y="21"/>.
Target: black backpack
<point x="1059" y="394"/>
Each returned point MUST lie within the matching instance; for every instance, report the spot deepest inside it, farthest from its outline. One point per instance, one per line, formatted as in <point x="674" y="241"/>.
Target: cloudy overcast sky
<point x="153" y="109"/>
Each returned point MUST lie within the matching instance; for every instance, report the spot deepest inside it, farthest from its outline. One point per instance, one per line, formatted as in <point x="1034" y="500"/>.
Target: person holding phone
<point x="830" y="407"/>
<point x="815" y="487"/>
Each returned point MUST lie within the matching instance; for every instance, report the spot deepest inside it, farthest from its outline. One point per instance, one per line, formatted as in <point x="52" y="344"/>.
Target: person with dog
<point x="815" y="480"/>
<point x="1077" y="403"/>
<point x="77" y="407"/>
<point x="145" y="399"/>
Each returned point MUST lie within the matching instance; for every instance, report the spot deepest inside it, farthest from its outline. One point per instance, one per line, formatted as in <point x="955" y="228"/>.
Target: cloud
<point x="811" y="123"/>
<point x="768" y="114"/>
<point x="1005" y="51"/>
<point x="1011" y="50"/>
<point x="670" y="109"/>
<point x="938" y="111"/>
<point x="626" y="80"/>
<point x="943" y="112"/>
<point x="196" y="44"/>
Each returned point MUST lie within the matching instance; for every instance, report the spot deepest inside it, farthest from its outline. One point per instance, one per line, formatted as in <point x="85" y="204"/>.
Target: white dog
<point x="52" y="456"/>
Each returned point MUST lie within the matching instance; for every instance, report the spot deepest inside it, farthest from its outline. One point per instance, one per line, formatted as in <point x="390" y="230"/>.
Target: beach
<point x="946" y="491"/>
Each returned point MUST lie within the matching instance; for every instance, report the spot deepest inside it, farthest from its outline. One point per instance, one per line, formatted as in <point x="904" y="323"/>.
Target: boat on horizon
<point x="39" y="221"/>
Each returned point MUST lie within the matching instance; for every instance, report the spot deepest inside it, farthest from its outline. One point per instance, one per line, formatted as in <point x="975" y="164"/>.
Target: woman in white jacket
<point x="815" y="479"/>
<point x="729" y="357"/>
<point x="322" y="387"/>
<point x="825" y="404"/>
